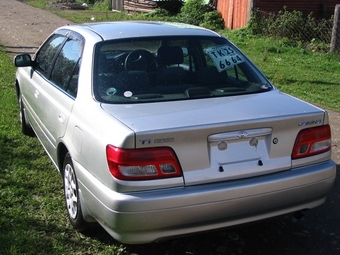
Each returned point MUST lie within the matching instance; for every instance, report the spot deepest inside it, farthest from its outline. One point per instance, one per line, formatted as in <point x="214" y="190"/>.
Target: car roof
<point x="127" y="29"/>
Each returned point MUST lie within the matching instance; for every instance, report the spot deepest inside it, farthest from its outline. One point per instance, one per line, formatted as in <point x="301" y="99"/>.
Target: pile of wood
<point x="139" y="5"/>
<point x="150" y="5"/>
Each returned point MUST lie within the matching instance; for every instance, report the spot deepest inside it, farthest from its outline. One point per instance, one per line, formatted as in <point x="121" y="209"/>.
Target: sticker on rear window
<point x="224" y="57"/>
<point x="128" y="94"/>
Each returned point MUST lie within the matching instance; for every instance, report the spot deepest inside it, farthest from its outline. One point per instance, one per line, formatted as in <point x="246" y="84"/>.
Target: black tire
<point x="71" y="194"/>
<point x="26" y="129"/>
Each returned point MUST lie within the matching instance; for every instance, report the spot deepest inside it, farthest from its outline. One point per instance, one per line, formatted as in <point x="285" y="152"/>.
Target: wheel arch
<point x="17" y="88"/>
<point x="62" y="151"/>
<point x="86" y="215"/>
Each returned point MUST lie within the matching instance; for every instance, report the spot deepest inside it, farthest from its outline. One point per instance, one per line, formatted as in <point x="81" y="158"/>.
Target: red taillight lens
<point x="312" y="141"/>
<point x="142" y="164"/>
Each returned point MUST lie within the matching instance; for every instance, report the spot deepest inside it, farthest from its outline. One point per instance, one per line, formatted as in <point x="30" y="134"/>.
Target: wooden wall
<point x="319" y="8"/>
<point x="117" y="5"/>
<point x="139" y="5"/>
<point x="236" y="13"/>
<point x="133" y="5"/>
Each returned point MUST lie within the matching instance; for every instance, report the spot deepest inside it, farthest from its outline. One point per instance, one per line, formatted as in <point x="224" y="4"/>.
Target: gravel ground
<point x="24" y="28"/>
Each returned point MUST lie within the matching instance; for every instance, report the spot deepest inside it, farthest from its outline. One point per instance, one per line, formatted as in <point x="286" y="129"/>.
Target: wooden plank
<point x="118" y="5"/>
<point x="139" y="5"/>
<point x="234" y="12"/>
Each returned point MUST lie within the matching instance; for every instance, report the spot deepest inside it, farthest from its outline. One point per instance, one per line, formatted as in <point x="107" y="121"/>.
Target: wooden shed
<point x="236" y="13"/>
<point x="145" y="5"/>
<point x="133" y="5"/>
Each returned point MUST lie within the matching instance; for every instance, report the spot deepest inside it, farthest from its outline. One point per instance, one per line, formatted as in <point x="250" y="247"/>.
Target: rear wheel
<point x="71" y="194"/>
<point x="25" y="127"/>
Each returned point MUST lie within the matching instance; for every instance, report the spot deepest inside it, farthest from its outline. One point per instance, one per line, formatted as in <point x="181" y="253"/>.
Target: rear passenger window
<point x="66" y="68"/>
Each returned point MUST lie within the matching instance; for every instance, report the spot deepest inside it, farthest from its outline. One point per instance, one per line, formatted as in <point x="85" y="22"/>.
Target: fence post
<point x="335" y="42"/>
<point x="117" y="5"/>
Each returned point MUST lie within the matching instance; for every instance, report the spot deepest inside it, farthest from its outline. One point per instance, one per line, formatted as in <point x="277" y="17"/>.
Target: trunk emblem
<point x="310" y="122"/>
<point x="242" y="134"/>
<point x="145" y="141"/>
<point x="163" y="140"/>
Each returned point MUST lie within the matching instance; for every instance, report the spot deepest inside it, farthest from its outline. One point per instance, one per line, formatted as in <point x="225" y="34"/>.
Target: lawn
<point x="32" y="215"/>
<point x="305" y="73"/>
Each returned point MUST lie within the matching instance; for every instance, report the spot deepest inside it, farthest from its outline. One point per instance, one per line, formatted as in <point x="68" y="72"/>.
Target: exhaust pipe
<point x="297" y="215"/>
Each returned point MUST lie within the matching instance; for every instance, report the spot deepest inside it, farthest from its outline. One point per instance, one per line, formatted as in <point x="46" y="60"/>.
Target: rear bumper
<point x="143" y="217"/>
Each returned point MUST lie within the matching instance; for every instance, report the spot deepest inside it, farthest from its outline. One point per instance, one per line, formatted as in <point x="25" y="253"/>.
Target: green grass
<point x="308" y="75"/>
<point x="98" y="12"/>
<point x="32" y="214"/>
<point x="302" y="72"/>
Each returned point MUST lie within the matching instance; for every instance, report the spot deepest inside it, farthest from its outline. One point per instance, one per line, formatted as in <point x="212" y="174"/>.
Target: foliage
<point x="213" y="20"/>
<point x="103" y="5"/>
<point x="94" y="16"/>
<point x="192" y="12"/>
<point x="309" y="75"/>
<point x="37" y="3"/>
<point x="195" y="12"/>
<point x="158" y="14"/>
<point x="292" y="25"/>
<point x="33" y="217"/>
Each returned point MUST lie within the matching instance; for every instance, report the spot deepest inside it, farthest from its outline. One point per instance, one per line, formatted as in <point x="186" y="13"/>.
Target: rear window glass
<point x="172" y="68"/>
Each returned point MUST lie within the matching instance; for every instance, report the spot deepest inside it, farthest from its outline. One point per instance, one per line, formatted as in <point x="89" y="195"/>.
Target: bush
<point x="158" y="14"/>
<point x="195" y="12"/>
<point x="104" y="5"/>
<point x="192" y="12"/>
<point x="213" y="20"/>
<point x="292" y="25"/>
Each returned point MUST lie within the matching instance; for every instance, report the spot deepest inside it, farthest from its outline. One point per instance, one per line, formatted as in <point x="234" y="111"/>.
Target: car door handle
<point x="36" y="93"/>
<point x="61" y="118"/>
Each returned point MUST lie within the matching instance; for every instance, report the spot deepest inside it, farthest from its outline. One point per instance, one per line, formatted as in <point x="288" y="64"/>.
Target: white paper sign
<point x="224" y="57"/>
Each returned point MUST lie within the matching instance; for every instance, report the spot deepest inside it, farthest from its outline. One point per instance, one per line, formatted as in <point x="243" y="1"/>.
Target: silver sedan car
<point x="164" y="129"/>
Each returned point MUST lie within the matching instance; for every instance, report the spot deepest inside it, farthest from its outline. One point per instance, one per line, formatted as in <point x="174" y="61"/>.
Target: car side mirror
<point x="23" y="60"/>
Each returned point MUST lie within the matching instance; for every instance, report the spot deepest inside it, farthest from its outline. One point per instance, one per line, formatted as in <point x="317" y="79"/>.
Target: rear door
<point x="55" y="83"/>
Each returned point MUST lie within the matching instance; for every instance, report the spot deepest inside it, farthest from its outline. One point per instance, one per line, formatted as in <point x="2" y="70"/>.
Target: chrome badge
<point x="309" y="122"/>
<point x="242" y="134"/>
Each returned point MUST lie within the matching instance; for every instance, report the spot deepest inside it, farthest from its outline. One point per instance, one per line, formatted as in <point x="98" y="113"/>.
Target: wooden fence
<point x="133" y="5"/>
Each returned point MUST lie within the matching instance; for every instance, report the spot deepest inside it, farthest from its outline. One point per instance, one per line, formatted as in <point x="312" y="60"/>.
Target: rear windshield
<point x="142" y="70"/>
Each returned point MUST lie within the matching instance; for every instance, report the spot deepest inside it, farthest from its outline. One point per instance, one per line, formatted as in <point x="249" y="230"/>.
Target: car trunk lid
<point x="220" y="139"/>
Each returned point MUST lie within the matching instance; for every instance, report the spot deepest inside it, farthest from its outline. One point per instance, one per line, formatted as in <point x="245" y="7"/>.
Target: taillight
<point x="142" y="164"/>
<point x="312" y="141"/>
